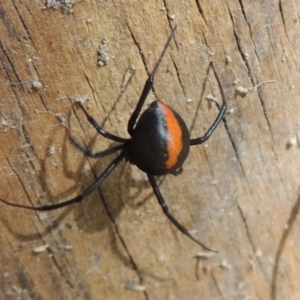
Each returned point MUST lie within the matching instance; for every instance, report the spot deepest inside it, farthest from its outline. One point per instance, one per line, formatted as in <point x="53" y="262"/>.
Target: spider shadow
<point x="92" y="214"/>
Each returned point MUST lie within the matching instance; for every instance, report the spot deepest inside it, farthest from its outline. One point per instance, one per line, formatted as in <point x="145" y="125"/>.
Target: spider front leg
<point x="147" y="87"/>
<point x="165" y="208"/>
<point x="220" y="116"/>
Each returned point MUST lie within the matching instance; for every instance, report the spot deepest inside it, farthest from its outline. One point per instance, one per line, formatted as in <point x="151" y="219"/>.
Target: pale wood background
<point x="239" y="192"/>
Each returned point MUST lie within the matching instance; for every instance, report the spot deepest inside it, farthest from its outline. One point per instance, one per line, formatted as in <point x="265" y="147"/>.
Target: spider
<point x="158" y="145"/>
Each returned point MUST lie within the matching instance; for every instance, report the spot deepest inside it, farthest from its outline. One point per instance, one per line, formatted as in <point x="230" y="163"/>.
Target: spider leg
<point x="78" y="198"/>
<point x="220" y="116"/>
<point x="100" y="129"/>
<point x="89" y="153"/>
<point x="147" y="87"/>
<point x="165" y="208"/>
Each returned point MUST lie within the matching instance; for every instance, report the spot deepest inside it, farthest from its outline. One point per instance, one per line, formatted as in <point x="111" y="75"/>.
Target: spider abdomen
<point x="160" y="142"/>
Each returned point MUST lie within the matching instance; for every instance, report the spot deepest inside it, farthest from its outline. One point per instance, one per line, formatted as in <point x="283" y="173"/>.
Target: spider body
<point x="159" y="144"/>
<point x="160" y="141"/>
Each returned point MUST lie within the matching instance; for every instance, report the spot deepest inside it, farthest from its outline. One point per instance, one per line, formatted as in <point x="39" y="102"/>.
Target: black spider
<point x="158" y="145"/>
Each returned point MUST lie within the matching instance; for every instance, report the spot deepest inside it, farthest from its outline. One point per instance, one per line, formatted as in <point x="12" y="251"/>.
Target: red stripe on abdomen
<point x="174" y="144"/>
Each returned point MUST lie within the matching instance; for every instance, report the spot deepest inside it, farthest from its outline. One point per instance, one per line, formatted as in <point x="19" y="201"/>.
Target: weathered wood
<point x="239" y="191"/>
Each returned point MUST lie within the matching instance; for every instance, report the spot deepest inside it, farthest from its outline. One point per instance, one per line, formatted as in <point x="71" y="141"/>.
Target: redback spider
<point x="158" y="145"/>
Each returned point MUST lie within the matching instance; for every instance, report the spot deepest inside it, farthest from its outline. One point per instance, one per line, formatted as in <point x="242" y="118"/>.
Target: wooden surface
<point x="239" y="192"/>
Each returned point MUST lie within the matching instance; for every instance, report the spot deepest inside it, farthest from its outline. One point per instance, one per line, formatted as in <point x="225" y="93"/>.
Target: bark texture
<point x="239" y="192"/>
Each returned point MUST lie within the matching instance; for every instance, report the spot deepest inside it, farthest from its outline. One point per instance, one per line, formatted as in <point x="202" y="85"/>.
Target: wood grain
<point x="239" y="192"/>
